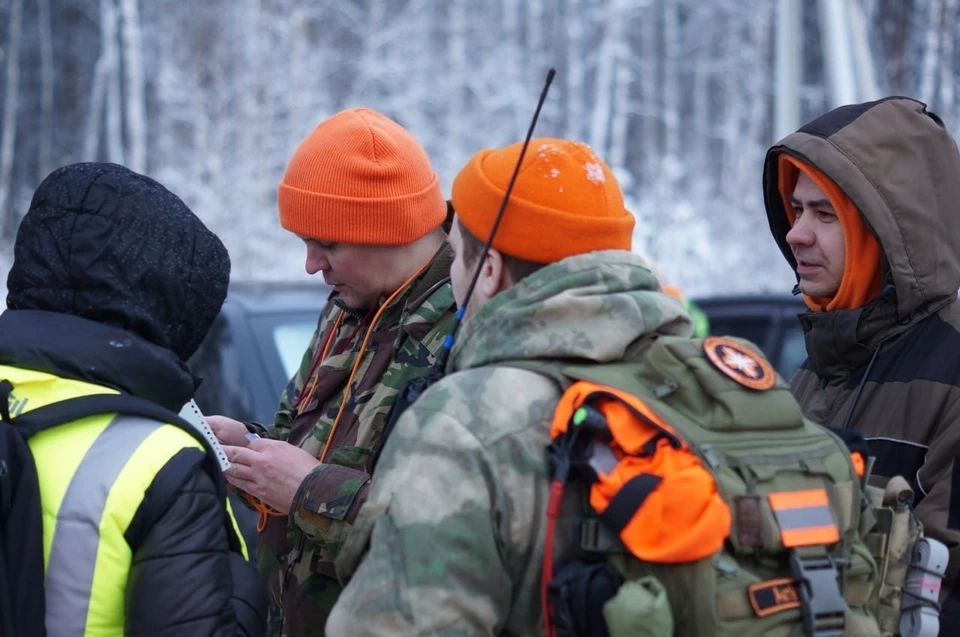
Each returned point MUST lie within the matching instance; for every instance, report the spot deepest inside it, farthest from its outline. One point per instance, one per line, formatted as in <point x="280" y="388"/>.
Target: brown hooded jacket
<point x="889" y="369"/>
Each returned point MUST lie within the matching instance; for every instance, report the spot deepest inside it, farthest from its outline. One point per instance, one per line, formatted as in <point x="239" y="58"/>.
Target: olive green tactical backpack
<point x="715" y="507"/>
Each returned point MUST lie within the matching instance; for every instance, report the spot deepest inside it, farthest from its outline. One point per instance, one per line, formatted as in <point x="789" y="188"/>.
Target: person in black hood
<point x="114" y="284"/>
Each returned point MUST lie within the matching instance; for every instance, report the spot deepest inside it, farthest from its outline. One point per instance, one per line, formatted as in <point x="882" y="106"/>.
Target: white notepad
<point x="192" y="414"/>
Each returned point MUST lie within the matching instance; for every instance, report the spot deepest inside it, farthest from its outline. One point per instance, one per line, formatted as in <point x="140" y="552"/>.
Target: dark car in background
<point x="255" y="347"/>
<point x="258" y="341"/>
<point x="769" y="321"/>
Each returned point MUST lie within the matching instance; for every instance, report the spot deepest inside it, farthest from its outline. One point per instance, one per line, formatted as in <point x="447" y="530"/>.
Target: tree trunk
<point x="671" y="95"/>
<point x="136" y="112"/>
<point x="931" y="53"/>
<point x="731" y="103"/>
<point x="648" y="95"/>
<point x="457" y="50"/>
<point x="700" y="112"/>
<point x="603" y="92"/>
<point x="10" y="104"/>
<point x="536" y="47"/>
<point x="576" y="91"/>
<point x="947" y="103"/>
<point x="513" y="42"/>
<point x="114" y="129"/>
<point x="622" y="108"/>
<point x="105" y="90"/>
<point x="47" y="80"/>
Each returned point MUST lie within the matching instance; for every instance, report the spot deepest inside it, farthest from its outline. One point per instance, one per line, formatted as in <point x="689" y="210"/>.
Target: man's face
<point x="816" y="240"/>
<point x="460" y="271"/>
<point x="490" y="281"/>
<point x="361" y="274"/>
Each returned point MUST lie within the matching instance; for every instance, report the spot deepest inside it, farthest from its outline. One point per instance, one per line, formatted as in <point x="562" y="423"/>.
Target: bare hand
<point x="228" y="431"/>
<point x="270" y="470"/>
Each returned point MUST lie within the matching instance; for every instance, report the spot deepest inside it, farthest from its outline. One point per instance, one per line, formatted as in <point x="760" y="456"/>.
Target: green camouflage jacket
<point x="450" y="541"/>
<point x="296" y="552"/>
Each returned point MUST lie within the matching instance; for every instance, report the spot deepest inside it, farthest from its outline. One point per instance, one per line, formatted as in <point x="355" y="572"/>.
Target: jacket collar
<point x="841" y="341"/>
<point x="433" y="277"/>
<point x="599" y="307"/>
<point x="76" y="348"/>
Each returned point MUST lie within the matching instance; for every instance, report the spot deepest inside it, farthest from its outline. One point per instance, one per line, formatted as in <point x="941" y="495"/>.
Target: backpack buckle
<point x="596" y="538"/>
<point x="822" y="604"/>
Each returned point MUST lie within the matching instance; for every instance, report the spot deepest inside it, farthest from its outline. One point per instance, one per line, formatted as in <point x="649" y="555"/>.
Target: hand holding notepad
<point x="192" y="414"/>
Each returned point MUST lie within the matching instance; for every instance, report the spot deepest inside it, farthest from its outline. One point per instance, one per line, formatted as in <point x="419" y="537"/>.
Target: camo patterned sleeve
<point x="450" y="541"/>
<point x="328" y="500"/>
<point x="433" y="566"/>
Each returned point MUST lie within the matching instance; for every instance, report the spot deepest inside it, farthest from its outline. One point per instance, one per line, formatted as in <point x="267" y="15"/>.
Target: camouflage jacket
<point x="450" y="541"/>
<point x="296" y="552"/>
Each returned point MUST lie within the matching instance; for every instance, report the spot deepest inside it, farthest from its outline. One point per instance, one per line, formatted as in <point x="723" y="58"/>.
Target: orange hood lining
<point x="863" y="266"/>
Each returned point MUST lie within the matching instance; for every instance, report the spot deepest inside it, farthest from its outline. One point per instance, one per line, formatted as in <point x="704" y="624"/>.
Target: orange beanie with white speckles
<point x="565" y="202"/>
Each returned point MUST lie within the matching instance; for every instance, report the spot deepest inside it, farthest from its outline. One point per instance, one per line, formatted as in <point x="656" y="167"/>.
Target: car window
<point x="291" y="339"/>
<point x="755" y="330"/>
<point x="793" y="350"/>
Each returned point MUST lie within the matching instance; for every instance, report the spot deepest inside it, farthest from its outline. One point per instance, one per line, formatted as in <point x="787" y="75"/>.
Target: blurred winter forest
<point x="210" y="97"/>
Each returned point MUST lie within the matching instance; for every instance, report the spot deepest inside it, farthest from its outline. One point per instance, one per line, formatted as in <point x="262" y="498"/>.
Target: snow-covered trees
<point x="211" y="98"/>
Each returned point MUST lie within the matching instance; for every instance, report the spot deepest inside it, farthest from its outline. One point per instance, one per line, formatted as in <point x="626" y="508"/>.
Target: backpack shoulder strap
<point x="70" y="409"/>
<point x="621" y="375"/>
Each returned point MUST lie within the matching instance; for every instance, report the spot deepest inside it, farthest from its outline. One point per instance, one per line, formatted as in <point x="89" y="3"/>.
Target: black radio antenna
<point x="411" y="391"/>
<point x="444" y="354"/>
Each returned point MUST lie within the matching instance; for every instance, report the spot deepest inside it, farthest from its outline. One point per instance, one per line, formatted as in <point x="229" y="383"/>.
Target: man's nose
<point x="316" y="261"/>
<point x="800" y="233"/>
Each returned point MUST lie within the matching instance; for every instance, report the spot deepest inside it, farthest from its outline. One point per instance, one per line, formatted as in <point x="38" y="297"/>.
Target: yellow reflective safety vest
<point x="93" y="474"/>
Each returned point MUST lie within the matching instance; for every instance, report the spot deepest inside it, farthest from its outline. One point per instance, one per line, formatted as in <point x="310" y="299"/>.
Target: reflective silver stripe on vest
<point x="76" y="538"/>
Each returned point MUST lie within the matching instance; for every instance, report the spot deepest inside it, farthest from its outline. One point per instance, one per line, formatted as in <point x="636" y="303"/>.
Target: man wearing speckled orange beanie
<point x="453" y="536"/>
<point x="361" y="194"/>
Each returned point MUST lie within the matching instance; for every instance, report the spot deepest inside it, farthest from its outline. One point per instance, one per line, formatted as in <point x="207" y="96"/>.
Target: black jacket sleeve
<point x="185" y="580"/>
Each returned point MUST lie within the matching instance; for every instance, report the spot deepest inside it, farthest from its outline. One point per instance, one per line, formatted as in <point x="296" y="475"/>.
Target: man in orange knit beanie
<point x="452" y="538"/>
<point x="863" y="204"/>
<point x="361" y="194"/>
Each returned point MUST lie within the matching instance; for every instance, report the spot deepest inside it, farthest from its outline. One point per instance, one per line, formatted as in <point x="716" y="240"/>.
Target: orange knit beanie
<point x="565" y="201"/>
<point x="360" y="177"/>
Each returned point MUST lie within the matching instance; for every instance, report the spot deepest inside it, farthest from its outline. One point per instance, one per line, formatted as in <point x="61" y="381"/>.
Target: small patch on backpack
<point x="749" y="520"/>
<point x="739" y="363"/>
<point x="773" y="596"/>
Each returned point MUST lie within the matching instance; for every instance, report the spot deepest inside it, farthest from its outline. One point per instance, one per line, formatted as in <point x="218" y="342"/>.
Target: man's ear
<point x="493" y="275"/>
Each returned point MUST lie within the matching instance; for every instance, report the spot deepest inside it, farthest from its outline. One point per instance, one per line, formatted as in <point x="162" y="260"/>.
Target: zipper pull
<point x="707" y="452"/>
<point x="666" y="388"/>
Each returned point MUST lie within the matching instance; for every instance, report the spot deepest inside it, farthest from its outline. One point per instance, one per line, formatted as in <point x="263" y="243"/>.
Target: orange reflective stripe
<point x="804" y="517"/>
<point x="809" y="537"/>
<point x="798" y="499"/>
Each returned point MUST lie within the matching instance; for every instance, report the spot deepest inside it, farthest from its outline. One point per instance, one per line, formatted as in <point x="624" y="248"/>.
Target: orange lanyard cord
<point x="363" y="348"/>
<point x="263" y="508"/>
<point x="315" y="377"/>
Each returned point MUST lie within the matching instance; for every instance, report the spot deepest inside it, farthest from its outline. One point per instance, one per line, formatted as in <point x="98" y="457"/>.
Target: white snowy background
<point x="210" y="97"/>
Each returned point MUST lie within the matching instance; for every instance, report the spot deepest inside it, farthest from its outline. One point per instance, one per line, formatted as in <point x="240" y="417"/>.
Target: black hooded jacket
<point x="116" y="282"/>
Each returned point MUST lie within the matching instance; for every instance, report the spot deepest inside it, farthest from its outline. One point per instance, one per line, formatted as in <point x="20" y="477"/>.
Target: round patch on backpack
<point x="740" y="363"/>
